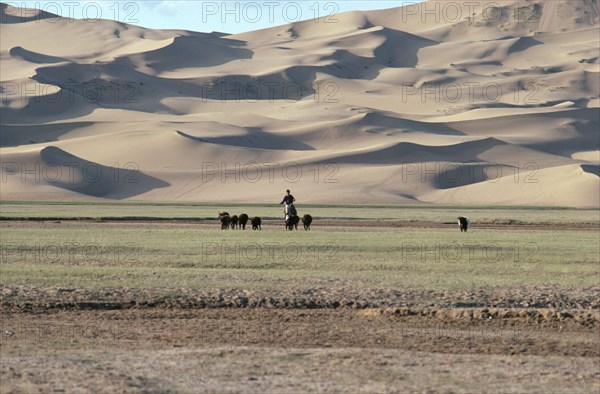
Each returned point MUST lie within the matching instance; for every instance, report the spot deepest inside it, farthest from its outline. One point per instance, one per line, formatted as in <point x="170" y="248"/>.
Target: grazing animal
<point x="463" y="223"/>
<point x="234" y="222"/>
<point x="225" y="220"/>
<point x="306" y="221"/>
<point x="255" y="223"/>
<point x="242" y="221"/>
<point x="291" y="222"/>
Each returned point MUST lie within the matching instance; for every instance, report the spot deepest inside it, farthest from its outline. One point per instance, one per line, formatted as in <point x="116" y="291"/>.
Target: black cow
<point x="292" y="222"/>
<point x="463" y="223"/>
<point x="234" y="222"/>
<point x="225" y="220"/>
<point x="243" y="219"/>
<point x="255" y="223"/>
<point x="306" y="221"/>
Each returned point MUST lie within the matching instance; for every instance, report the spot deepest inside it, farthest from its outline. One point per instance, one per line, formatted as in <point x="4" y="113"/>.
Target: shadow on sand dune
<point x="73" y="173"/>
<point x="591" y="168"/>
<point x="254" y="138"/>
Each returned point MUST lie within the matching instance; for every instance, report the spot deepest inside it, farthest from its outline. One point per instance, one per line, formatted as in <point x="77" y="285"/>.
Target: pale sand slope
<point x="473" y="105"/>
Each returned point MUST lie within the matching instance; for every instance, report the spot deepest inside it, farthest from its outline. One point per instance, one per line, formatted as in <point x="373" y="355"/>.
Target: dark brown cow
<point x="306" y="221"/>
<point x="242" y="221"/>
<point x="463" y="223"/>
<point x="255" y="223"/>
<point x="225" y="220"/>
<point x="292" y="222"/>
<point x="234" y="222"/>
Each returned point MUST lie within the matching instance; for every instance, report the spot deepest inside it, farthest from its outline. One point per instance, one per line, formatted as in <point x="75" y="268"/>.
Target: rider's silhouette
<point x="289" y="200"/>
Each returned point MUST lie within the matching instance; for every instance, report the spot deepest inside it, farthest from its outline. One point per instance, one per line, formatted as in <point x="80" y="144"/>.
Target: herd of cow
<point x="239" y="222"/>
<point x="291" y="221"/>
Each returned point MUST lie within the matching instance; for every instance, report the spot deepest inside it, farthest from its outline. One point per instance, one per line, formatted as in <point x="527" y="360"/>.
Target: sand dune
<point x="493" y="103"/>
<point x="53" y="172"/>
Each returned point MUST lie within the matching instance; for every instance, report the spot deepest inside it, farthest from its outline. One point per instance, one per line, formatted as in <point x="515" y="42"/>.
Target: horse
<point x="243" y="219"/>
<point x="290" y="216"/>
<point x="306" y="221"/>
<point x="463" y="223"/>
<point x="289" y="210"/>
<point x="225" y="220"/>
<point x="255" y="223"/>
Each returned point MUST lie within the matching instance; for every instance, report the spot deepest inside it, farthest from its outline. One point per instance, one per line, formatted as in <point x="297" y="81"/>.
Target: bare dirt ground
<point x="61" y="340"/>
<point x="291" y="350"/>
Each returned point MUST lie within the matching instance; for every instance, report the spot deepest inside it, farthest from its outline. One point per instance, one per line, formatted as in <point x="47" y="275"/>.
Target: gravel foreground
<point x="260" y="350"/>
<point x="542" y="339"/>
<point x="539" y="298"/>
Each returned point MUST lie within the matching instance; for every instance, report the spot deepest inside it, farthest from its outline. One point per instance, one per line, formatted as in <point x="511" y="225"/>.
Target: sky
<point x="228" y="16"/>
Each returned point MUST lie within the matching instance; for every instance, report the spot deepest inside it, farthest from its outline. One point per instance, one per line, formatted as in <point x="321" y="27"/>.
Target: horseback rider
<point x="289" y="200"/>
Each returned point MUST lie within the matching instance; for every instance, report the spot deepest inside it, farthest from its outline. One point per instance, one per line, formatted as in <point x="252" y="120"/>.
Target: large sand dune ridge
<point x="496" y="104"/>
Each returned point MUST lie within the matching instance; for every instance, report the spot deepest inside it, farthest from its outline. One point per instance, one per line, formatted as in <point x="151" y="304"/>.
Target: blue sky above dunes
<point x="206" y="16"/>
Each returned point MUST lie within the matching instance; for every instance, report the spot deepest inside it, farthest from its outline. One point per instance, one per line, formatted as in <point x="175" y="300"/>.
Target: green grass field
<point x="188" y="255"/>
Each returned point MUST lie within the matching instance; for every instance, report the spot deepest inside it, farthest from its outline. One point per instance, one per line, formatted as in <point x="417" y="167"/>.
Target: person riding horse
<point x="289" y="200"/>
